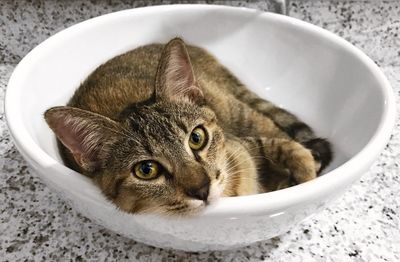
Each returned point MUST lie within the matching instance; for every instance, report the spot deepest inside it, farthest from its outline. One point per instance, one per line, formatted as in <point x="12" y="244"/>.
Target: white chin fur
<point x="216" y="190"/>
<point x="195" y="204"/>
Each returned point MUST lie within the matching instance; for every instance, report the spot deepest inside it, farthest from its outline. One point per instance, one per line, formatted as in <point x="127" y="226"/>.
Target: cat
<point x="167" y="129"/>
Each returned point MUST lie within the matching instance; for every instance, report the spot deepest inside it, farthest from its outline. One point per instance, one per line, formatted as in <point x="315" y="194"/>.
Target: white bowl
<point x="325" y="80"/>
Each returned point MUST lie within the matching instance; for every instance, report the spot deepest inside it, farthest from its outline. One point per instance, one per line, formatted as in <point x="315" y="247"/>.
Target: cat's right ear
<point x="175" y="79"/>
<point x="86" y="135"/>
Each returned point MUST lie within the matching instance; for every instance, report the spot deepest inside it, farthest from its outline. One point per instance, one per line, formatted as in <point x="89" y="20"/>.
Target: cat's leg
<point x="282" y="162"/>
<point x="290" y="124"/>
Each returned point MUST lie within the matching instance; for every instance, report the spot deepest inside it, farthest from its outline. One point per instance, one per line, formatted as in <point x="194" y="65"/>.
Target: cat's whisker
<point x="232" y="170"/>
<point x="240" y="161"/>
<point x="241" y="171"/>
<point x="235" y="153"/>
<point x="264" y="156"/>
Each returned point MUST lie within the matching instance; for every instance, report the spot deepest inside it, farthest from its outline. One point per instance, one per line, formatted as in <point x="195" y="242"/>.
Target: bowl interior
<point x="297" y="68"/>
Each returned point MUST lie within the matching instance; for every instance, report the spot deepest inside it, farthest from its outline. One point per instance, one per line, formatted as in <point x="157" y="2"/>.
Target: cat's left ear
<point x="175" y="79"/>
<point x="87" y="135"/>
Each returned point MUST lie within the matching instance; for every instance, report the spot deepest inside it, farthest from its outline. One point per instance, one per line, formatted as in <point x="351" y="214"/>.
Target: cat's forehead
<point x="163" y="124"/>
<point x="166" y="116"/>
<point x="155" y="126"/>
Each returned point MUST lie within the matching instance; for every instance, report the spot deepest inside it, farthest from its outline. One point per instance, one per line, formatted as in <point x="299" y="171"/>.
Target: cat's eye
<point x="198" y="138"/>
<point x="147" y="169"/>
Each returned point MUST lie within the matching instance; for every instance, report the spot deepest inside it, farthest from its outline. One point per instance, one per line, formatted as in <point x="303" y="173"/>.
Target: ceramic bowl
<point x="325" y="80"/>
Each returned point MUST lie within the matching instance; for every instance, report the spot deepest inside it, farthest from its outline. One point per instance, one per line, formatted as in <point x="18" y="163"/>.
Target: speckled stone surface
<point x="24" y="24"/>
<point x="362" y="225"/>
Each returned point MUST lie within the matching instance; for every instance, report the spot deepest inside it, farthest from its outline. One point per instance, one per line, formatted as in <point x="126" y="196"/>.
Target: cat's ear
<point x="175" y="78"/>
<point x="85" y="134"/>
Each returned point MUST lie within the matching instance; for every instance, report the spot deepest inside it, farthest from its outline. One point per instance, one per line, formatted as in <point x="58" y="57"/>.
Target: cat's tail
<point x="291" y="125"/>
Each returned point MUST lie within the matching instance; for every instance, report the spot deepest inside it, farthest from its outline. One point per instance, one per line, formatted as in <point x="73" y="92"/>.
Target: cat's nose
<point x="199" y="193"/>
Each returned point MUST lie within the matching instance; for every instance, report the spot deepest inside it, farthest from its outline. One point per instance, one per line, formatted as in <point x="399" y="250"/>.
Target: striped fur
<point x="143" y="105"/>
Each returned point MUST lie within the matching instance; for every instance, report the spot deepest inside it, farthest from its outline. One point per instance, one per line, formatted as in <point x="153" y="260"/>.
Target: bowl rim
<point x="272" y="203"/>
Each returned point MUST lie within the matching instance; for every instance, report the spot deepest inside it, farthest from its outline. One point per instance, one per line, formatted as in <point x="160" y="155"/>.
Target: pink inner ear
<point x="195" y="93"/>
<point x="85" y="134"/>
<point x="179" y="74"/>
<point x="176" y="76"/>
<point x="69" y="137"/>
<point x="73" y="137"/>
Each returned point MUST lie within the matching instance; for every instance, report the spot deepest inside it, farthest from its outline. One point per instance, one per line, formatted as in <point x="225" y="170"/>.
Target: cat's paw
<point x="303" y="167"/>
<point x="321" y="150"/>
<point x="285" y="183"/>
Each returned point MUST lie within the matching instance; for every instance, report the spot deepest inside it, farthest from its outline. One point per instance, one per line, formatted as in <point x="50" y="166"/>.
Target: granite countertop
<point x="362" y="225"/>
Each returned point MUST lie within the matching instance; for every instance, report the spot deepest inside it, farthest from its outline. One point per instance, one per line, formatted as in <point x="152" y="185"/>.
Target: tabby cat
<point x="168" y="129"/>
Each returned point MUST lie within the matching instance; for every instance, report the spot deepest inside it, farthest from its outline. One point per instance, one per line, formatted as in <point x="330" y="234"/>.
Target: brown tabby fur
<point x="143" y="105"/>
